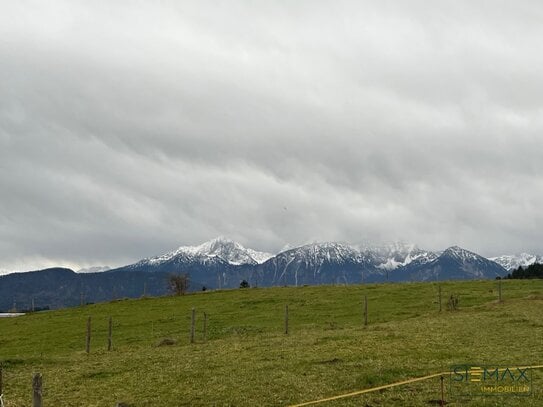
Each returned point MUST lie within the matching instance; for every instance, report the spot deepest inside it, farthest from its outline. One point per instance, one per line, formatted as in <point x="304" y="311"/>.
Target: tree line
<point x="532" y="271"/>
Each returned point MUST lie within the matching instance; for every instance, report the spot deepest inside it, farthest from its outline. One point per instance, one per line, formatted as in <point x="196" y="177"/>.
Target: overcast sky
<point x="130" y="128"/>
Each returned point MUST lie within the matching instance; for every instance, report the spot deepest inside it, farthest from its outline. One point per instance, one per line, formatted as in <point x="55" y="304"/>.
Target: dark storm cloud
<point x="127" y="129"/>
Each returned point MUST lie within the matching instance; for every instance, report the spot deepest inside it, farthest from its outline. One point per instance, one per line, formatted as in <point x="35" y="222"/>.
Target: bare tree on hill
<point x="178" y="283"/>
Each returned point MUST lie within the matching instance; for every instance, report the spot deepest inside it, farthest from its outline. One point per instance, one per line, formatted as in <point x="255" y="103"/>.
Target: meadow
<point x="248" y="360"/>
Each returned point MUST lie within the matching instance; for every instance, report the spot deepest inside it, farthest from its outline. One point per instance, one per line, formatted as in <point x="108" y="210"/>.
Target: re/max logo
<point x="475" y="374"/>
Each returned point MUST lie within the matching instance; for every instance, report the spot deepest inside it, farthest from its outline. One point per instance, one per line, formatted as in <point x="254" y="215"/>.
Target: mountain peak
<point x="456" y="249"/>
<point x="462" y="256"/>
<point x="219" y="248"/>
<point x="217" y="245"/>
<point x="459" y="252"/>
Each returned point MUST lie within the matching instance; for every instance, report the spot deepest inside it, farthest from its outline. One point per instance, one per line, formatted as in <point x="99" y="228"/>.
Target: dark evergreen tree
<point x="532" y="271"/>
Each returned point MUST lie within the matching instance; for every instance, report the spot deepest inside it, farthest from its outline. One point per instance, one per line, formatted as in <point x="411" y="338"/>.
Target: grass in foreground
<point x="247" y="359"/>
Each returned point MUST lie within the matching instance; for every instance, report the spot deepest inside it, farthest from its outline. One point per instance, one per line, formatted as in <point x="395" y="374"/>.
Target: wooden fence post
<point x="88" y="341"/>
<point x="365" y="310"/>
<point x="192" y="324"/>
<point x="205" y="327"/>
<point x="110" y="335"/>
<point x="442" y="401"/>
<point x="286" y="319"/>
<point x="37" y="390"/>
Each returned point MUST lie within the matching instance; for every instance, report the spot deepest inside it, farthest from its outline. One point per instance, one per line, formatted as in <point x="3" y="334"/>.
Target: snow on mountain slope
<point x="395" y="255"/>
<point x="514" y="261"/>
<point x="385" y="257"/>
<point x="259" y="257"/>
<point x="462" y="255"/>
<point x="316" y="253"/>
<point x="220" y="248"/>
<point x="94" y="269"/>
<point x="318" y="263"/>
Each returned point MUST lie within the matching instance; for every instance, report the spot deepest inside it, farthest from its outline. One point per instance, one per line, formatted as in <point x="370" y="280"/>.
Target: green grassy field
<point x="247" y="359"/>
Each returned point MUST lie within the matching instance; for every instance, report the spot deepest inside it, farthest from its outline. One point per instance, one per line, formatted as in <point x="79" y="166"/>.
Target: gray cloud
<point x="127" y="129"/>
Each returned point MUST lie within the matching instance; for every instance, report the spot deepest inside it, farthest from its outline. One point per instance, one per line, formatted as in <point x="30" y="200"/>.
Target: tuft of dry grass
<point x="166" y="342"/>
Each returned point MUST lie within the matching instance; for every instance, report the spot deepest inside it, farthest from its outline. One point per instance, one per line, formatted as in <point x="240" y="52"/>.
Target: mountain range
<point x="223" y="263"/>
<point x="513" y="262"/>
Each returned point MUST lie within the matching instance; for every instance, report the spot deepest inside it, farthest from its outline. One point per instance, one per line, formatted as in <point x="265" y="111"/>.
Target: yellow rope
<point x="387" y="386"/>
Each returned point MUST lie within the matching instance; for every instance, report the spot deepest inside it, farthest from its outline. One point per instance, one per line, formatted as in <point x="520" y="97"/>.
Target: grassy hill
<point x="247" y="359"/>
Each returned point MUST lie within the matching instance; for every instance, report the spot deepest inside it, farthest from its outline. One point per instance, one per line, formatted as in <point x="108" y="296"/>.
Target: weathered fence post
<point x="1" y="386"/>
<point x="110" y="335"/>
<point x="88" y="341"/>
<point x="439" y="297"/>
<point x="365" y="310"/>
<point x="37" y="390"/>
<point x="499" y="290"/>
<point x="205" y="327"/>
<point x="192" y="324"/>
<point x="442" y="401"/>
<point x="286" y="319"/>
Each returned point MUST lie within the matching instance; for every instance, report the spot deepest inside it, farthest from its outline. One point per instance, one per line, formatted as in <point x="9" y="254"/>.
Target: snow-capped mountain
<point x="219" y="249"/>
<point x="514" y="261"/>
<point x="218" y="263"/>
<point x="319" y="263"/>
<point x="455" y="263"/>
